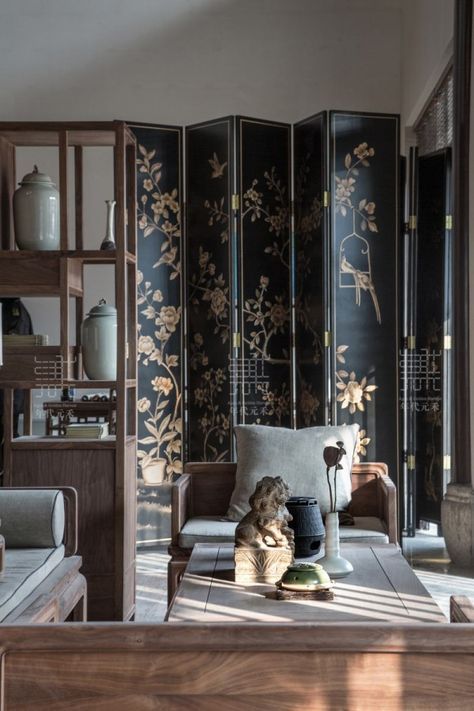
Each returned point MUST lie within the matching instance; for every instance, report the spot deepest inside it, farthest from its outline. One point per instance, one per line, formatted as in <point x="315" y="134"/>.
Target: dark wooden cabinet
<point x="103" y="471"/>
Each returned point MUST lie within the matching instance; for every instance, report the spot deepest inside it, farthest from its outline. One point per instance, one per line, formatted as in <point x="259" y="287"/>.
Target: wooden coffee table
<point x="382" y="587"/>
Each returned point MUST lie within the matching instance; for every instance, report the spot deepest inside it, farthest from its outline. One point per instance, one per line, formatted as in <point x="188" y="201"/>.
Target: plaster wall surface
<point x="426" y="50"/>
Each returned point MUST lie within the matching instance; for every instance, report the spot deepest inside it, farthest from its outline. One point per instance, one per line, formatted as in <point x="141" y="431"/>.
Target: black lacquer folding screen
<point x="310" y="246"/>
<point x="254" y="274"/>
<point x="160" y="342"/>
<point x="209" y="166"/>
<point x="364" y="250"/>
<point x="264" y="265"/>
<point x="431" y="372"/>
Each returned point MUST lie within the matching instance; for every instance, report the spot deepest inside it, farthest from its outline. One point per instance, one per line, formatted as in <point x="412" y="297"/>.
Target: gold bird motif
<point x="217" y="167"/>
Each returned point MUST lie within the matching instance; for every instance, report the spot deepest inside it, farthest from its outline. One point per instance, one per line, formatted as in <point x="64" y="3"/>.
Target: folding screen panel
<point x="160" y="341"/>
<point x="364" y="246"/>
<point x="431" y="359"/>
<point x="264" y="266"/>
<point x="309" y="170"/>
<point x="209" y="149"/>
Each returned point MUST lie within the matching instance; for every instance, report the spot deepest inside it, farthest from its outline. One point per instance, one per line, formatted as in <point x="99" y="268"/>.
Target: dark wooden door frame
<point x="462" y="90"/>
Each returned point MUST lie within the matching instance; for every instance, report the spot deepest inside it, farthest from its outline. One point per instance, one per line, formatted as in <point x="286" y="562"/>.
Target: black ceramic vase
<point x="307" y="524"/>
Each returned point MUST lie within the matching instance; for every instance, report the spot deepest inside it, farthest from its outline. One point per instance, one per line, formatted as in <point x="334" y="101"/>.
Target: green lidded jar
<point x="99" y="342"/>
<point x="305" y="576"/>
<point x="36" y="213"/>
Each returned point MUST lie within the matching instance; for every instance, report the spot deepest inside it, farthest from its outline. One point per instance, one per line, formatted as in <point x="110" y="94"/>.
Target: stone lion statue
<point x="266" y="524"/>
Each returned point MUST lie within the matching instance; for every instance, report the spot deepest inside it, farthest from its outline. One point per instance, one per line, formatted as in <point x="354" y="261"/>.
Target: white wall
<point x="427" y="37"/>
<point x="179" y="61"/>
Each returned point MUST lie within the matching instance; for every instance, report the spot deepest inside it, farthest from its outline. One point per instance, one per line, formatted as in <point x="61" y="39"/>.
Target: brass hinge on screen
<point x="449" y="222"/>
<point x="447" y="343"/>
<point x="327" y="339"/>
<point x="236" y="340"/>
<point x="235" y="201"/>
<point x="326" y="198"/>
<point x="412" y="221"/>
<point x="411" y="462"/>
<point x="411" y="343"/>
<point x="447" y="461"/>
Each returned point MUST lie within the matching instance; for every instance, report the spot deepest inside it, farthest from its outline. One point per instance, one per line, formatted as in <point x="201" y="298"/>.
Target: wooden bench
<point x="212" y="667"/>
<point x="62" y="594"/>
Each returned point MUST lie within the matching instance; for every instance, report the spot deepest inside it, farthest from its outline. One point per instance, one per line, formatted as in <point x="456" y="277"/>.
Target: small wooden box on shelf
<point x="103" y="471"/>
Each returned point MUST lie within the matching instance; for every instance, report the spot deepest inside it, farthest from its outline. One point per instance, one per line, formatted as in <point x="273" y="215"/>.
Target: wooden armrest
<point x="180" y="497"/>
<point x="374" y="494"/>
<point x="461" y="609"/>
<point x="388" y="493"/>
<point x="71" y="520"/>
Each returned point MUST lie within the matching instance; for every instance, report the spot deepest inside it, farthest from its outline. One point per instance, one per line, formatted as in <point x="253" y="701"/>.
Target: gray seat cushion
<point x="367" y="529"/>
<point x="213" y="529"/>
<point x="207" y="529"/>
<point x="32" y="518"/>
<point x="296" y="456"/>
<point x="25" y="569"/>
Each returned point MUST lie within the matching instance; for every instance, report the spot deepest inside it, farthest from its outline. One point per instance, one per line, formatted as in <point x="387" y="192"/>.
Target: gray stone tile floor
<point x="426" y="554"/>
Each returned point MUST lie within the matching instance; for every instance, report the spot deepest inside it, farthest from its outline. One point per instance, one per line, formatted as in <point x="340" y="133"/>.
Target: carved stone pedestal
<point x="457" y="520"/>
<point x="261" y="565"/>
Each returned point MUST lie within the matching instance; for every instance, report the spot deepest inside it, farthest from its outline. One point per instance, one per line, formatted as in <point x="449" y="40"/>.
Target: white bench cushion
<point x="25" y="569"/>
<point x="212" y="529"/>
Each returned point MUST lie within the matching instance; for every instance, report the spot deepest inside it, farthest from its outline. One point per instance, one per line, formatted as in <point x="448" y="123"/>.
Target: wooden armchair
<point x="204" y="490"/>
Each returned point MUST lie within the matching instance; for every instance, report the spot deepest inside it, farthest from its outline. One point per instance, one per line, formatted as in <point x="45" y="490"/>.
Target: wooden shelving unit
<point x="102" y="471"/>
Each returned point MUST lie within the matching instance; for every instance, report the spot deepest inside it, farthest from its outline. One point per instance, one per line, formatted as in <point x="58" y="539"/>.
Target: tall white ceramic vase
<point x="333" y="563"/>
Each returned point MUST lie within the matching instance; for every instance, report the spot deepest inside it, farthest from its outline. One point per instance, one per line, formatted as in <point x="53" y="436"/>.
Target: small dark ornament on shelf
<point x="307" y="524"/>
<point x="68" y="394"/>
<point x="108" y="243"/>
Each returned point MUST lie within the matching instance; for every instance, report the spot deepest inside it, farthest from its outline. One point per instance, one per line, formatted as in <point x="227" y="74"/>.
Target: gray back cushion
<point x="295" y="455"/>
<point x="32" y="519"/>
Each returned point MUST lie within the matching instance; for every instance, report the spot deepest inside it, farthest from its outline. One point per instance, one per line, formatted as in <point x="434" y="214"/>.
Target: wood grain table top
<point x="382" y="588"/>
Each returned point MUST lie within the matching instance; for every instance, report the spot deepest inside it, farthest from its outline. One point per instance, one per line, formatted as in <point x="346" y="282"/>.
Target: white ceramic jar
<point x="99" y="342"/>
<point x="36" y="213"/>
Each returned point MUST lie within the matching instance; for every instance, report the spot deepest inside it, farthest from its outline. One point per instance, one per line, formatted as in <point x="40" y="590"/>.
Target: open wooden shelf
<point x="47" y="133"/>
<point x="103" y="471"/>
<point x="28" y="273"/>
<point x="53" y="442"/>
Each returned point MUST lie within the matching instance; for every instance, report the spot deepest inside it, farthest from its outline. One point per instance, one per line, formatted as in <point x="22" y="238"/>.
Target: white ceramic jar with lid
<point x="99" y="342"/>
<point x="36" y="213"/>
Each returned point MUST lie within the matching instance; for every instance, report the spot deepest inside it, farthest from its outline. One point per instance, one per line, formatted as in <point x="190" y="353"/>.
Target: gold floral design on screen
<point x="209" y="292"/>
<point x="159" y="323"/>
<point x="163" y="421"/>
<point x="355" y="269"/>
<point x="266" y="310"/>
<point x="276" y="216"/>
<point x="159" y="212"/>
<point x="308" y="222"/>
<point x="211" y="289"/>
<point x="354" y="394"/>
<point x="213" y="423"/>
<point x="362" y="442"/>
